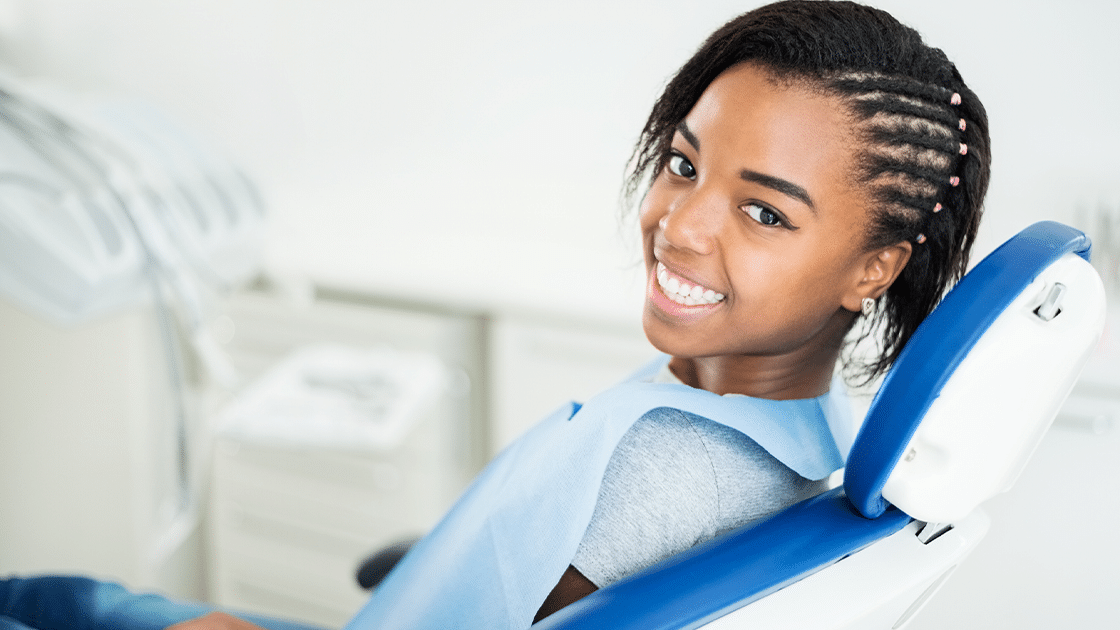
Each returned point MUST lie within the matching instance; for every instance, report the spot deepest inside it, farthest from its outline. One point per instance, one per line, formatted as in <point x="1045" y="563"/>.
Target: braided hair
<point x="925" y="162"/>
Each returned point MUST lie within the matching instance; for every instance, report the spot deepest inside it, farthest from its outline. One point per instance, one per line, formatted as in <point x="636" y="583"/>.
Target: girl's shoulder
<point x="675" y="480"/>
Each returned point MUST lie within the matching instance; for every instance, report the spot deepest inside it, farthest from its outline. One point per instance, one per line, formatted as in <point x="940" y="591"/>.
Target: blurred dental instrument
<point x="108" y="204"/>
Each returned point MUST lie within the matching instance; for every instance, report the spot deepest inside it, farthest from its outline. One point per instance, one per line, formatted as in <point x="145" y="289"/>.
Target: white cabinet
<point x="290" y="523"/>
<point x="539" y="364"/>
<point x="289" y="526"/>
<point x="91" y="470"/>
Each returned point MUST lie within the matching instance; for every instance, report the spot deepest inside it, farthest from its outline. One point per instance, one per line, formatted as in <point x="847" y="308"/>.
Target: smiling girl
<point x="814" y="163"/>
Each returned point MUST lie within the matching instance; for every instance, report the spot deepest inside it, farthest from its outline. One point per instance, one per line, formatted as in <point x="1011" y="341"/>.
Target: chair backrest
<point x="974" y="390"/>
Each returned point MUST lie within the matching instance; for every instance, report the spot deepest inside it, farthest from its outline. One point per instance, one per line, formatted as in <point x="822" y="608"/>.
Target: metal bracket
<point x="1051" y="306"/>
<point x="931" y="531"/>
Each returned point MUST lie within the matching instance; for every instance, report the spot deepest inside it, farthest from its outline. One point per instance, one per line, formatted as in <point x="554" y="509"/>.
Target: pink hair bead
<point x="963" y="125"/>
<point x="920" y="239"/>
<point x="964" y="149"/>
<point x="954" y="180"/>
<point x="956" y="99"/>
<point x="937" y="208"/>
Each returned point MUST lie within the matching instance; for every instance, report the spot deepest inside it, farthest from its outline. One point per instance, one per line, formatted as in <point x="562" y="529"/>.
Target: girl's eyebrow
<point x="682" y="128"/>
<point x="778" y="184"/>
<point x="787" y="188"/>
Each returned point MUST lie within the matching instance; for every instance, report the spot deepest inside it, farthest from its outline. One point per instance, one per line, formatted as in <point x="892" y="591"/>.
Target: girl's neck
<point x="775" y="378"/>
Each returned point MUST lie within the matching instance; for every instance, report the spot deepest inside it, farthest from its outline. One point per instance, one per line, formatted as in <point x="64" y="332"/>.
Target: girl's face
<point x="755" y="216"/>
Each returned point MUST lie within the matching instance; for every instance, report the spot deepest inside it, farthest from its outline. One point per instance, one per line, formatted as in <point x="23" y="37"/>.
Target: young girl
<point x="811" y="164"/>
<point x="812" y="168"/>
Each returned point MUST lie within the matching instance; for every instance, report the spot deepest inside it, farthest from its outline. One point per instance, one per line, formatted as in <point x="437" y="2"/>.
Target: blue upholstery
<point x="937" y="348"/>
<point x="726" y="573"/>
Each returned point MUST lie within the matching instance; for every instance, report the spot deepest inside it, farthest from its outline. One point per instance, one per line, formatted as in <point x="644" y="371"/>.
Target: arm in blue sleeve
<point x="79" y="603"/>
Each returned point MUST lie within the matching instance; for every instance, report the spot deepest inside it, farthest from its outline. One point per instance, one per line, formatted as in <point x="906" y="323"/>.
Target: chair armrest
<point x="733" y="570"/>
<point x="374" y="568"/>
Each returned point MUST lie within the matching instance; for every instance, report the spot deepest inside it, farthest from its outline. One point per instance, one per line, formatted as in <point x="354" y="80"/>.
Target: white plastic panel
<point x="883" y="586"/>
<point x="991" y="415"/>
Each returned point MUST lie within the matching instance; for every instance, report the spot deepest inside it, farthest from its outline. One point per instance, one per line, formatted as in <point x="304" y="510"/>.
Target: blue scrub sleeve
<point x="7" y="623"/>
<point x="79" y="603"/>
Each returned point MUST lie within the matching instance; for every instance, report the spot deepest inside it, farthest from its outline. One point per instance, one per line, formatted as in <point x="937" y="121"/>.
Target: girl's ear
<point x="881" y="267"/>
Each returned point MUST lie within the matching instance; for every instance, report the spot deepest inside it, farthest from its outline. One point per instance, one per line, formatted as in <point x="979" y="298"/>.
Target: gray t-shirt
<point x="676" y="480"/>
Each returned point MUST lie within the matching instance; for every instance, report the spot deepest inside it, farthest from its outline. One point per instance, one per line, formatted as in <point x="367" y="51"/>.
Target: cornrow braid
<point x="868" y="81"/>
<point x="926" y="164"/>
<point x="918" y="146"/>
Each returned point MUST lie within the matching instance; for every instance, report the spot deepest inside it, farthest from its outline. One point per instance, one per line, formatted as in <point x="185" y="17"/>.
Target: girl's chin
<point x="680" y="344"/>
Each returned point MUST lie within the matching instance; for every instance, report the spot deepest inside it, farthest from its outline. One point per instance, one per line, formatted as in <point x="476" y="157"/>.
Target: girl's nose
<point x="693" y="224"/>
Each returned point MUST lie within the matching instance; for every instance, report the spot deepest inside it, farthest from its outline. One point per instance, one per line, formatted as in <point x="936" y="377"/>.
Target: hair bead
<point x="954" y="180"/>
<point x="964" y="149"/>
<point x="963" y="125"/>
<point x="955" y="100"/>
<point x="921" y="238"/>
<point x="937" y="208"/>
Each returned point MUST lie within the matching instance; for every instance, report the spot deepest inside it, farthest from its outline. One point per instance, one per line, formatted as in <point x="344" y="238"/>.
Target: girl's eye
<point x="762" y="214"/>
<point x="681" y="167"/>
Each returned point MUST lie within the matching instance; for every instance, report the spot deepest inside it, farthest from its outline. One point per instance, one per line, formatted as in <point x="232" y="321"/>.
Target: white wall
<point x="1047" y="74"/>
<point x="474" y="151"/>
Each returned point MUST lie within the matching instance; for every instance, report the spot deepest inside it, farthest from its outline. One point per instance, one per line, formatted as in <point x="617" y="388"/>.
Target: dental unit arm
<point x="108" y="204"/>
<point x="953" y="424"/>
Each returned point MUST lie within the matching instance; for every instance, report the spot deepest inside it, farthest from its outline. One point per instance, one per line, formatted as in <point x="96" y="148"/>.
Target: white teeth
<point x="684" y="293"/>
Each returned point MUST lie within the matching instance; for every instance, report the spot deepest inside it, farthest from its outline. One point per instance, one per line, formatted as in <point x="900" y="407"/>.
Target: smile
<point x="683" y="293"/>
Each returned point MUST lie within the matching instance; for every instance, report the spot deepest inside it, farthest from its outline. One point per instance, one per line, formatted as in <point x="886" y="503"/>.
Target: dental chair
<point x="967" y="402"/>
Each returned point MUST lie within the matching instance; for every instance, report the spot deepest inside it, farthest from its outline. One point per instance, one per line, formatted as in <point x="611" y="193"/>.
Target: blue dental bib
<point x="501" y="549"/>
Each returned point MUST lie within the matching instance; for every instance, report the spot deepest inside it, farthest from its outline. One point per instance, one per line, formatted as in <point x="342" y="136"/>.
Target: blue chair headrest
<point x="937" y="348"/>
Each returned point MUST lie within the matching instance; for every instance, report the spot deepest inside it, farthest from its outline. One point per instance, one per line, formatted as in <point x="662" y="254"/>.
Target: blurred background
<point x="408" y="216"/>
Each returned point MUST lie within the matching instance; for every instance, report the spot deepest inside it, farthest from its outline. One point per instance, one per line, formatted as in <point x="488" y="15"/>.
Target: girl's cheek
<point x="652" y="208"/>
<point x="645" y="209"/>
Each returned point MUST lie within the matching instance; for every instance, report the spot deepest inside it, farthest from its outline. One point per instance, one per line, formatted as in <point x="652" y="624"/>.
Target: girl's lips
<point x="661" y="300"/>
<point x="683" y="291"/>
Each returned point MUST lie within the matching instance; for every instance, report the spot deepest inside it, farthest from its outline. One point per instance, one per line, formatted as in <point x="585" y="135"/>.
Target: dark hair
<point x="926" y="164"/>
